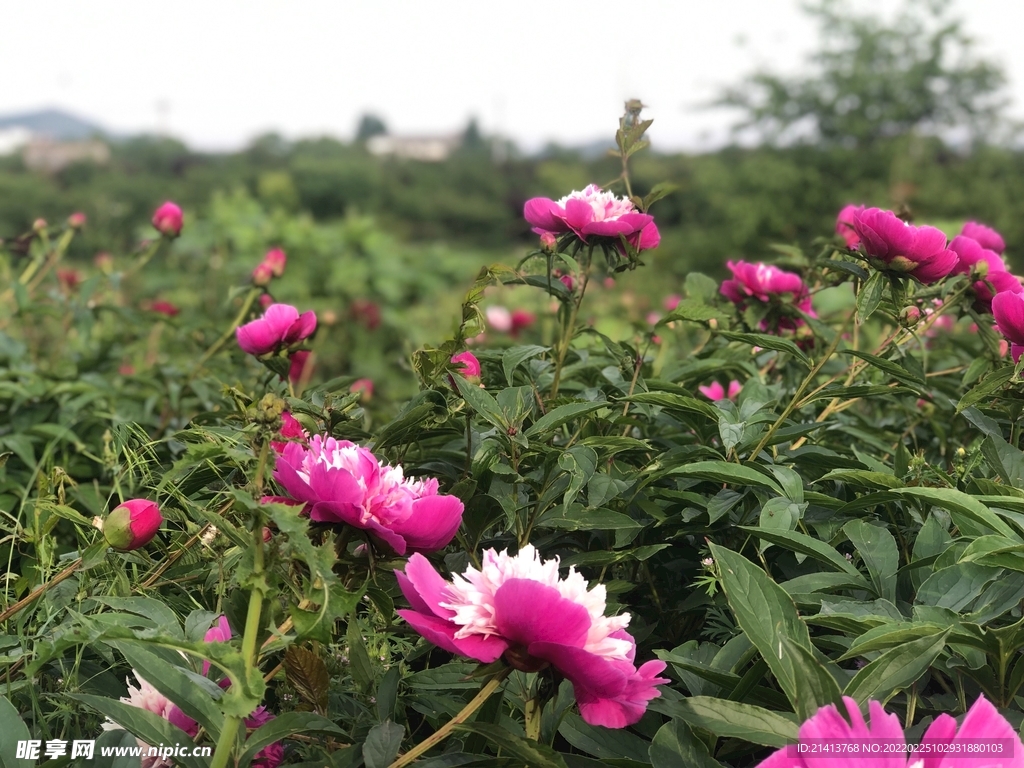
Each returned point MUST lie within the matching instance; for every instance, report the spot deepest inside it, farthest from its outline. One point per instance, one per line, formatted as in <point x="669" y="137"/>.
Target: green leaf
<point x="994" y="381"/>
<point x="767" y="341"/>
<point x="516" y="356"/>
<point x="766" y="614"/>
<point x="862" y="479"/>
<point x="671" y="401"/>
<point x="174" y="683"/>
<point x="563" y="414"/>
<point x="869" y="296"/>
<point x="956" y="586"/>
<point x="603" y="743"/>
<point x="581" y="463"/>
<point x="896" y="669"/>
<point x="359" y="659"/>
<point x="675" y="745"/>
<point x="816" y="684"/>
<point x="148" y="726"/>
<point x="531" y="752"/>
<point x="480" y="400"/>
<point x="878" y="550"/>
<point x="727" y="472"/>
<point x="807" y="545"/>
<point x="284" y="726"/>
<point x="970" y="515"/>
<point x="382" y="744"/>
<point x="888" y="367"/>
<point x="576" y="518"/>
<point x="695" y="311"/>
<point x="734" y="719"/>
<point x="12" y="730"/>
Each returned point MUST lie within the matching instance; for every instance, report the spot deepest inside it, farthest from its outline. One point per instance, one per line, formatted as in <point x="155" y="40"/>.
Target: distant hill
<point x="55" y="124"/>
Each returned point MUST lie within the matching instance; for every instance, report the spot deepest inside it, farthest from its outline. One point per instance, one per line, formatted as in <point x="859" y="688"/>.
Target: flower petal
<point x="432" y="524"/>
<point x="544" y="214"/>
<point x="526" y="612"/>
<point x="442" y="634"/>
<point x="426" y="584"/>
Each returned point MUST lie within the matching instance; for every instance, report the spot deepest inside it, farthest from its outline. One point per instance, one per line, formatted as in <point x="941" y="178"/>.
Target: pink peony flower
<point x="715" y="391"/>
<point x="985" y="236"/>
<point x="844" y="225"/>
<point x="363" y="386"/>
<point x="167" y="219"/>
<point x="982" y="722"/>
<point x="163" y="308"/>
<point x="519" y="608"/>
<point x="895" y="246"/>
<point x="763" y="282"/>
<point x="150" y="699"/>
<point x="301" y="366"/>
<point x="499" y="319"/>
<point x="276" y="259"/>
<point x="468" y="366"/>
<point x="132" y="524"/>
<point x="340" y="482"/>
<point x="988" y="265"/>
<point x="1008" y="310"/>
<point x="592" y="213"/>
<point x="76" y="220"/>
<point x="262" y="274"/>
<point x="521" y="319"/>
<point x="280" y="326"/>
<point x="291" y="429"/>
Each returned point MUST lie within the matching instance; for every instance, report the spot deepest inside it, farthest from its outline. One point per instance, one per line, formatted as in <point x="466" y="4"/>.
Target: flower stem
<point x="443" y="732"/>
<point x="222" y="753"/>
<point x="570" y="328"/>
<point x="533" y="711"/>
<point x="215" y="347"/>
<point x="36" y="593"/>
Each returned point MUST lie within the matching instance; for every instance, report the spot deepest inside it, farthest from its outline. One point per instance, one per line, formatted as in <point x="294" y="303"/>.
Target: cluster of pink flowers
<point x="149" y="698"/>
<point x="591" y="214"/>
<point x="337" y="481"/>
<point x="272" y="266"/>
<point x="769" y="285"/>
<point x="517" y="607"/>
<point x="946" y="746"/>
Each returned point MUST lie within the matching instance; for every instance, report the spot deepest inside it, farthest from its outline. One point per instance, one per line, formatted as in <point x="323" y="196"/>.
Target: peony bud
<point x="910" y="316"/>
<point x="266" y="300"/>
<point x="267" y="535"/>
<point x="547" y="241"/>
<point x="262" y="274"/>
<point x="276" y="260"/>
<point x="132" y="524"/>
<point x="76" y="220"/>
<point x="39" y="225"/>
<point x="569" y="282"/>
<point x="167" y="219"/>
<point x="467" y="366"/>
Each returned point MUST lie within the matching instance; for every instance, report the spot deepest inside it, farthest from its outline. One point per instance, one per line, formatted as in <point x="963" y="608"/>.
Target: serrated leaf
<point x="307" y="673"/>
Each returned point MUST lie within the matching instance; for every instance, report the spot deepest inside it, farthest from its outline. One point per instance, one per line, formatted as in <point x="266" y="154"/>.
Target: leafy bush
<point x="845" y="519"/>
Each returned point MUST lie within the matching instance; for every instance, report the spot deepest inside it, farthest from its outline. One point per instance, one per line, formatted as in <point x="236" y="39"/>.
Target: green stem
<point x="246" y="306"/>
<point x="222" y="753"/>
<point x="533" y="711"/>
<point x="570" y="328"/>
<point x="444" y="731"/>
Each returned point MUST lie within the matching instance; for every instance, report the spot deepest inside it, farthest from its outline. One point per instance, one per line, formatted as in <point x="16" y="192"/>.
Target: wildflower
<point x="280" y="326"/>
<point x="893" y="245"/>
<point x="592" y="213"/>
<point x="943" y="743"/>
<point x="132" y="524"/>
<point x="844" y="225"/>
<point x="986" y="237"/>
<point x="715" y="391"/>
<point x="340" y="482"/>
<point x="517" y="607"/>
<point x="168" y="220"/>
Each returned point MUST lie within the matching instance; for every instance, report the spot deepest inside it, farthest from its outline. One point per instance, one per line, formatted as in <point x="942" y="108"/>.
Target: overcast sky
<point x="218" y="72"/>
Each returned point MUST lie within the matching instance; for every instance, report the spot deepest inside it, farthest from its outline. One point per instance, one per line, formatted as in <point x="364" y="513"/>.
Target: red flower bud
<point x="276" y="260"/>
<point x="132" y="524"/>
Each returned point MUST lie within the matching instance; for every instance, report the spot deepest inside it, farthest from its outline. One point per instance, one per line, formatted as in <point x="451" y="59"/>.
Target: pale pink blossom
<point x="499" y="319"/>
<point x="671" y="302"/>
<point x="592" y="213"/>
<point x="519" y="608"/>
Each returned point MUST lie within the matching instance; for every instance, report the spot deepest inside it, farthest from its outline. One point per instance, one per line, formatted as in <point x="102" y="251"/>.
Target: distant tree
<point x="370" y="126"/>
<point x="871" y="79"/>
<point x="472" y="138"/>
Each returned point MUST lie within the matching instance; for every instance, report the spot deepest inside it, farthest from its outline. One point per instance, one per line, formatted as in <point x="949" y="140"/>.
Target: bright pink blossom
<point x="569" y="282"/>
<point x="132" y="524"/>
<point x="291" y="429"/>
<point x="895" y="246"/>
<point x="518" y="607"/>
<point x="844" y="225"/>
<point x="592" y="213"/>
<point x="763" y="282"/>
<point x="167" y="219"/>
<point x="945" y="745"/>
<point x="468" y="366"/>
<point x="985" y="236"/>
<point x="266" y="300"/>
<point x="987" y="264"/>
<point x="521" y="318"/>
<point x="340" y="482"/>
<point x="715" y="391"/>
<point x="1008" y="310"/>
<point x="281" y="326"/>
<point x="163" y="308"/>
